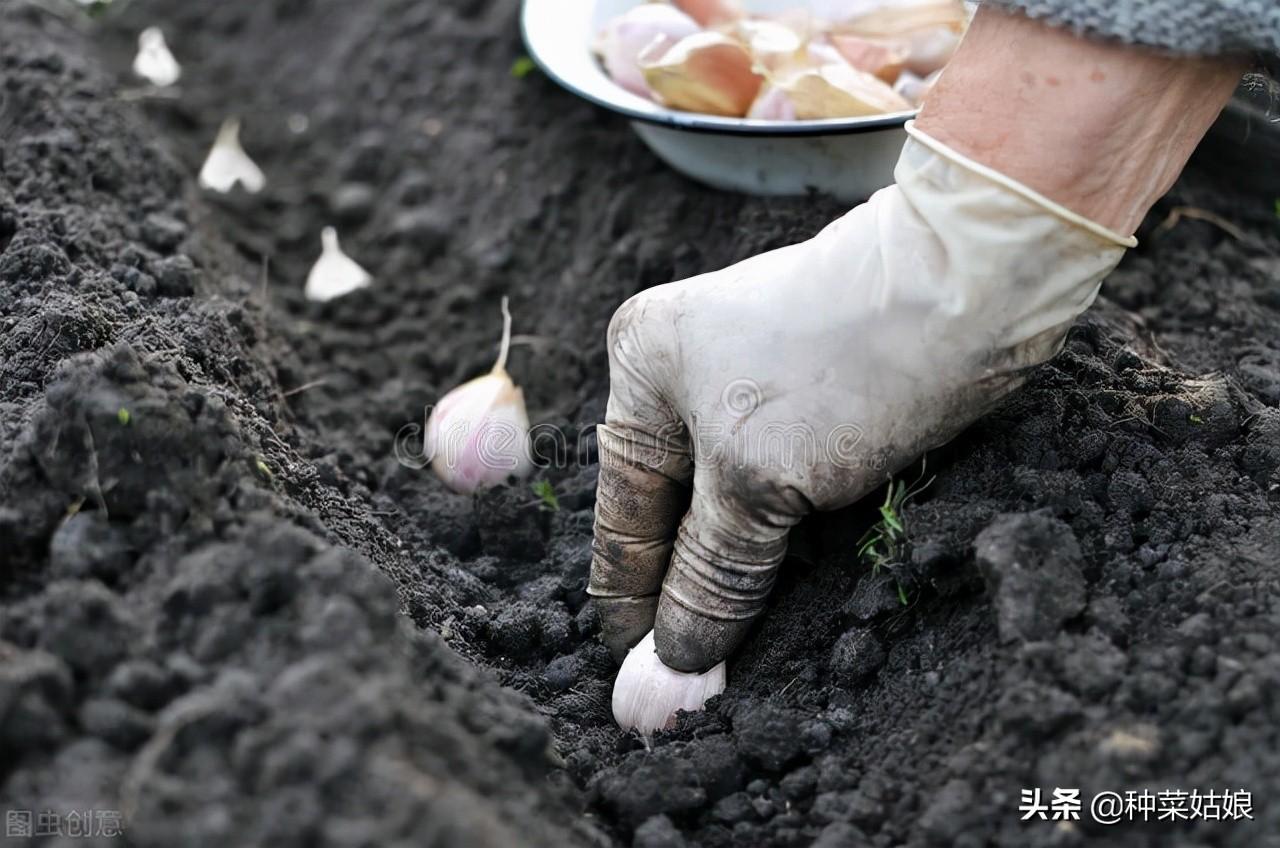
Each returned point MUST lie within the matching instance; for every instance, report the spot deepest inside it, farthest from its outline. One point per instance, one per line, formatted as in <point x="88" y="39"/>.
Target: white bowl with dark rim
<point x="849" y="158"/>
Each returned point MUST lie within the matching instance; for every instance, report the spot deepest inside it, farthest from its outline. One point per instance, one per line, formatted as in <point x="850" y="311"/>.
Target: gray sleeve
<point x="1204" y="27"/>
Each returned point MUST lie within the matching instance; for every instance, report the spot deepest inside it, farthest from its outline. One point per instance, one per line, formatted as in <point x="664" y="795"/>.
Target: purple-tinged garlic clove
<point x="625" y="37"/>
<point x="478" y="434"/>
<point x="707" y="72"/>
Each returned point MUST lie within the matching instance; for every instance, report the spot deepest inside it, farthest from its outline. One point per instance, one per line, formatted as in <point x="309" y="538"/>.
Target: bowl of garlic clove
<point x="766" y="97"/>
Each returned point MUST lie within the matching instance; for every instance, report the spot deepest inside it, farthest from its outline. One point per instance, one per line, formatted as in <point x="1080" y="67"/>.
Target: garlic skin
<point x="706" y="72"/>
<point x="883" y="59"/>
<point x="334" y="273"/>
<point x="478" y="434"/>
<point x="228" y="164"/>
<point x="154" y="62"/>
<point x="647" y="694"/>
<point x="625" y="37"/>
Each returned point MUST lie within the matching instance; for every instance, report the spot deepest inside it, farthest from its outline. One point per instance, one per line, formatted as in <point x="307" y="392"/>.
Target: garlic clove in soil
<point x="228" y="164"/>
<point x="648" y="694"/>
<point x="334" y="273"/>
<point x="478" y="434"/>
<point x="154" y="62"/>
<point x="706" y="72"/>
<point x="625" y="37"/>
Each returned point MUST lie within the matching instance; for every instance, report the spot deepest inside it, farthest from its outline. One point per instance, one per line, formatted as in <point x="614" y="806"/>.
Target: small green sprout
<point x="547" y="494"/>
<point x="522" y="67"/>
<point x="885" y="542"/>
<point x="265" y="470"/>
<point x="1195" y="419"/>
<point x="1278" y="207"/>
<point x="123" y="416"/>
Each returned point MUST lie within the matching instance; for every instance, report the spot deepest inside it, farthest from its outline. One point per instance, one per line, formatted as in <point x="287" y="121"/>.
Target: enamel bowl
<point x="849" y="158"/>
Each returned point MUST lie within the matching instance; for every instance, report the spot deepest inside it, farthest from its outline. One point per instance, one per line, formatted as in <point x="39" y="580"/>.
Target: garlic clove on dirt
<point x="154" y="62"/>
<point x="706" y="72"/>
<point x="478" y="434"/>
<point x="625" y="37"/>
<point x="839" y="91"/>
<point x="228" y="164"/>
<point x="648" y="694"/>
<point x="334" y="273"/>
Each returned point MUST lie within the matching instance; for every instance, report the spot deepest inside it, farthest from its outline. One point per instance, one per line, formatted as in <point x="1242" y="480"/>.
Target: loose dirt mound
<point x="197" y="470"/>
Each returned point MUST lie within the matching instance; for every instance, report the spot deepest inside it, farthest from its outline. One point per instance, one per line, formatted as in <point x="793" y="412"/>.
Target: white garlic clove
<point x="228" y="164"/>
<point x="708" y="72"/>
<point x="625" y="37"/>
<point x="478" y="434"/>
<point x="648" y="694"/>
<point x="839" y="91"/>
<point x="334" y="273"/>
<point x="154" y="62"/>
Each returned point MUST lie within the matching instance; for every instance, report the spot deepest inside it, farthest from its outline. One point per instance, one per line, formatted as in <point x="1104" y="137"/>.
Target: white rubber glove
<point x="799" y="379"/>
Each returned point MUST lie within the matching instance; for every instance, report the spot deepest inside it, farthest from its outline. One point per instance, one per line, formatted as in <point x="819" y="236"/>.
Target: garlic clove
<point x="773" y="104"/>
<point x="624" y="38"/>
<point x="930" y="29"/>
<point x="711" y="12"/>
<point x="334" y="273"/>
<point x="839" y="91"/>
<point x="647" y="694"/>
<point x="478" y="434"/>
<point x="228" y="164"/>
<point x="883" y="59"/>
<point x="706" y="72"/>
<point x="154" y="62"/>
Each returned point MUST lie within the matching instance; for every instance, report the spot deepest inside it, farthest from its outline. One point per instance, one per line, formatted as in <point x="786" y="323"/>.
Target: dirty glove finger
<point x="645" y="471"/>
<point x="723" y="566"/>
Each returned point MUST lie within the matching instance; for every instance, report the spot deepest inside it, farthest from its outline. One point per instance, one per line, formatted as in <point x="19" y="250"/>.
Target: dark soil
<point x="206" y="531"/>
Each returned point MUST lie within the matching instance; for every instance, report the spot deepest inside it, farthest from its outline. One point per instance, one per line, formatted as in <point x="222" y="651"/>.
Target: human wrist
<point x="1101" y="128"/>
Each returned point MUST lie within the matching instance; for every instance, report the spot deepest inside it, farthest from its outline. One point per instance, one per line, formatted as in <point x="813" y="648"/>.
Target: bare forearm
<point x="1102" y="128"/>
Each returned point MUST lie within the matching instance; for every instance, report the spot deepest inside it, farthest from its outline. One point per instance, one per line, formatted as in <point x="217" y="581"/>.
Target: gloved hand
<point x="798" y="380"/>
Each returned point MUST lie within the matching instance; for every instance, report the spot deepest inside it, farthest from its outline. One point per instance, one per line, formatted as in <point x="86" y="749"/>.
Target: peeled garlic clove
<point x="228" y="164"/>
<point x="707" y="72"/>
<point x="839" y="91"/>
<point x="882" y="59"/>
<point x="154" y="62"/>
<point x="478" y="434"/>
<point x="625" y="37"/>
<point x="711" y="12"/>
<point x="334" y="273"/>
<point x="647" y="694"/>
